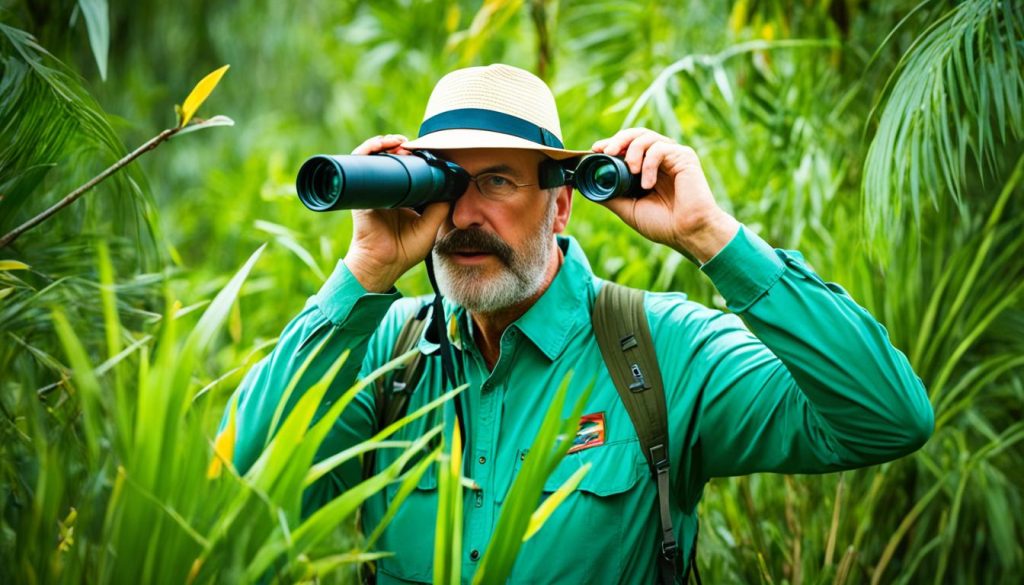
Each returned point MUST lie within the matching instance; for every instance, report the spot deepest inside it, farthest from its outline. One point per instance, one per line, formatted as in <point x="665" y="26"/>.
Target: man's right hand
<point x="388" y="242"/>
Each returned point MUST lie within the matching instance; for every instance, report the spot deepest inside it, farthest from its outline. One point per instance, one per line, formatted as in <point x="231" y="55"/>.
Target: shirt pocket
<point x="582" y="540"/>
<point x="410" y="535"/>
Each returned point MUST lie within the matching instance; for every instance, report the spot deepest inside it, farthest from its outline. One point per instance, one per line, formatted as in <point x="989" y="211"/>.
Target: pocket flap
<point x="614" y="468"/>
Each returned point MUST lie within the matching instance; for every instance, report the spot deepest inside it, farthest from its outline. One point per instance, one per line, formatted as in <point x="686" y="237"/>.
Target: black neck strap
<point x="439" y="327"/>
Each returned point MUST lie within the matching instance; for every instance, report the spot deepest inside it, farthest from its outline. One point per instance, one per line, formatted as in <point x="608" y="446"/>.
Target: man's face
<point x="494" y="252"/>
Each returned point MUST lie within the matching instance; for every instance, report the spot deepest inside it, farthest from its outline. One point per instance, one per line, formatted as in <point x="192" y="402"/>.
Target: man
<point x="812" y="386"/>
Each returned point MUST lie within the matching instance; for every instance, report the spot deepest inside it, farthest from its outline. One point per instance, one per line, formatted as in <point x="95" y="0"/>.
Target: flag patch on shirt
<point x="590" y="433"/>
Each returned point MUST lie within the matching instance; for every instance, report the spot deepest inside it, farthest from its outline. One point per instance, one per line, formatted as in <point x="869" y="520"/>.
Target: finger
<point x="369" y="146"/>
<point x="623" y="207"/>
<point x="653" y="160"/>
<point x="394" y="143"/>
<point x="618" y="143"/>
<point x="635" y="154"/>
<point x="378" y="144"/>
<point x="433" y="216"/>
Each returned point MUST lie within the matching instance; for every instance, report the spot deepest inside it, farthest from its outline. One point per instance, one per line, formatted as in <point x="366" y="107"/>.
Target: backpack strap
<point x="392" y="392"/>
<point x="620" y="325"/>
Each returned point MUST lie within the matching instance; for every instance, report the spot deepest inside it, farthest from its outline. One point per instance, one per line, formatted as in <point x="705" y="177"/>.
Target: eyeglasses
<point x="497" y="187"/>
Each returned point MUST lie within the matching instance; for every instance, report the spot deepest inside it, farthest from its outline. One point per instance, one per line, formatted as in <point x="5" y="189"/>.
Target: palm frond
<point x="54" y="136"/>
<point x="957" y="94"/>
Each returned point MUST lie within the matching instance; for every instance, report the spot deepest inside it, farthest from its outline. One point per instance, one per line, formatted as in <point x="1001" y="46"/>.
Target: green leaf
<point x="218" y="311"/>
<point x="86" y="384"/>
<point x="97" y="20"/>
<point x="404" y="490"/>
<point x="325" y="520"/>
<point x="218" y="120"/>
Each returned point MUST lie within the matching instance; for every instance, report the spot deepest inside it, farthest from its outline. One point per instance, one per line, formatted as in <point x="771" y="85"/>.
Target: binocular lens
<point x="606" y="177"/>
<point x="320" y="183"/>
<point x="600" y="177"/>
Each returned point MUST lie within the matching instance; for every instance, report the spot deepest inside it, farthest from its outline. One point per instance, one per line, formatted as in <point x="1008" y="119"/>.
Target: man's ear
<point x="563" y="206"/>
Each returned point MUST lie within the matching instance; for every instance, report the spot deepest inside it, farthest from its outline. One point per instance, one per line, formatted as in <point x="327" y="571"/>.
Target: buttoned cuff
<point x="744" y="269"/>
<point x="345" y="303"/>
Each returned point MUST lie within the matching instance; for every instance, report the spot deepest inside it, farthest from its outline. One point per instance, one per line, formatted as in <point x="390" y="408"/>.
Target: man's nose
<point x="467" y="210"/>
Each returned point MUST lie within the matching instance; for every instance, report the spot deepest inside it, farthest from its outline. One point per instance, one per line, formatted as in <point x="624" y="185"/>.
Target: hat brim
<point x="462" y="138"/>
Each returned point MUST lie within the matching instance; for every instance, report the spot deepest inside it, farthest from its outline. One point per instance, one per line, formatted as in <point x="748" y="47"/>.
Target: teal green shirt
<point x="806" y="382"/>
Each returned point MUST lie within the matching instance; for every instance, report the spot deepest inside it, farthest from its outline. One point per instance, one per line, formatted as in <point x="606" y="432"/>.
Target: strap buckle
<point x="659" y="458"/>
<point x="639" y="383"/>
<point x="669" y="551"/>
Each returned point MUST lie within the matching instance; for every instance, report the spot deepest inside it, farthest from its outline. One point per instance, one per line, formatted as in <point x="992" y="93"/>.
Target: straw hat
<point x="497" y="106"/>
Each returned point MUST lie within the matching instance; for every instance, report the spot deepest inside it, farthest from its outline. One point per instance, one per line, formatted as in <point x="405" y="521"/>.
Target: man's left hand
<point x="681" y="212"/>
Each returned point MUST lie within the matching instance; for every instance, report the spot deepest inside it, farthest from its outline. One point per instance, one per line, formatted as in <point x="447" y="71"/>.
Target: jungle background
<point x="884" y="140"/>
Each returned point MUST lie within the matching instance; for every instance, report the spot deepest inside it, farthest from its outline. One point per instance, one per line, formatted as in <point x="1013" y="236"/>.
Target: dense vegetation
<point x="883" y="140"/>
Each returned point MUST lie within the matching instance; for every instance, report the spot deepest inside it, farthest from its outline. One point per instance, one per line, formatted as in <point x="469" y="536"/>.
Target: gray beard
<point x="519" y="279"/>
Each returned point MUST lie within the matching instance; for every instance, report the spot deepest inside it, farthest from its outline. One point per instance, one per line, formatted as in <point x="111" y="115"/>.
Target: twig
<point x="72" y="196"/>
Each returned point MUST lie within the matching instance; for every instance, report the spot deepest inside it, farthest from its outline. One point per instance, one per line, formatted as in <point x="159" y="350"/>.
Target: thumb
<point x="624" y="207"/>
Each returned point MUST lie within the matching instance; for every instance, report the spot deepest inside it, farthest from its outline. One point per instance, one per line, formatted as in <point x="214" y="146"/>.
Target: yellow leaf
<point x="456" y="458"/>
<point x="223" y="446"/>
<point x="452" y="17"/>
<point x="235" y="322"/>
<point x="738" y="16"/>
<point x="193" y="571"/>
<point x="200" y="92"/>
<point x="13" y="265"/>
<point x="540" y="516"/>
<point x="5" y="291"/>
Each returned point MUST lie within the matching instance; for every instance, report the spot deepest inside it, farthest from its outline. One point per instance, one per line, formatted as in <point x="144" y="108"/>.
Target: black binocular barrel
<point x="382" y="181"/>
<point x="333" y="182"/>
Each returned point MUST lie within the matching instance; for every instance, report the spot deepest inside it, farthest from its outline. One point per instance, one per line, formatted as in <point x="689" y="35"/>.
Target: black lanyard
<point x="439" y="327"/>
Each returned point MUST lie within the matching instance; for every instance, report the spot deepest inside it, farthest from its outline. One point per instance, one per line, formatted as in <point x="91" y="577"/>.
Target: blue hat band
<point x="480" y="119"/>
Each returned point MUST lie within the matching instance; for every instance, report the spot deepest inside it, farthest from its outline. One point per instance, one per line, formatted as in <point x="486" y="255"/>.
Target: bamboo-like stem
<point x="72" y="196"/>
<point x="833" y="531"/>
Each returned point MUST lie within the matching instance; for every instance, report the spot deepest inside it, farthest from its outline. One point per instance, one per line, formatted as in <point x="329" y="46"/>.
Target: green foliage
<point x="50" y="122"/>
<point x="98" y="23"/>
<point x="818" y="124"/>
<point x="146" y="442"/>
<point x="957" y="92"/>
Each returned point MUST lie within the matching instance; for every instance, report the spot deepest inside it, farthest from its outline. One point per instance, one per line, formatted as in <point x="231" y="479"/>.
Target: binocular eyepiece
<point x="381" y="181"/>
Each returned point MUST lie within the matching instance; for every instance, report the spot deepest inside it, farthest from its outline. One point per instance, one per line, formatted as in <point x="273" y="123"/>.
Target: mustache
<point x="475" y="240"/>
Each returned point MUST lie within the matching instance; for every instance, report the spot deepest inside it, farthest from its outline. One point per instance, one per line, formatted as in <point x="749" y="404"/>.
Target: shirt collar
<point x="551" y="322"/>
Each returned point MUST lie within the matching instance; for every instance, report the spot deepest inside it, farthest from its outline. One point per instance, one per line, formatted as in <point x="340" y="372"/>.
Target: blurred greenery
<point x="883" y="140"/>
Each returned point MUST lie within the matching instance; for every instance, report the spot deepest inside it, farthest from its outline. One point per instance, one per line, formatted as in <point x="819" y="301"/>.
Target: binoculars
<point x="381" y="181"/>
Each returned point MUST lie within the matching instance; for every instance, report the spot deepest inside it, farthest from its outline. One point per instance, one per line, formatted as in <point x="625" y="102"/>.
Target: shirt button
<point x="474" y="554"/>
<point x="482" y="460"/>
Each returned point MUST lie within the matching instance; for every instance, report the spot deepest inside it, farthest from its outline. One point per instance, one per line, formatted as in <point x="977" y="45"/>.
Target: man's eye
<point x="497" y="181"/>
